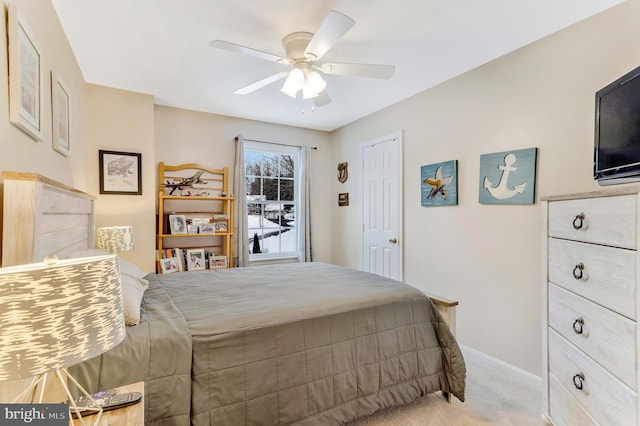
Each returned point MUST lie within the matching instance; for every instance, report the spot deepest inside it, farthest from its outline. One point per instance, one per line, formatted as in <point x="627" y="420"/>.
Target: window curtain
<point x="306" y="250"/>
<point x="240" y="233"/>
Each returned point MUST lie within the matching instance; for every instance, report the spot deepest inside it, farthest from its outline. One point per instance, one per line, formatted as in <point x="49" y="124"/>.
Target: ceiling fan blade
<point x="334" y="26"/>
<point x="236" y="48"/>
<point x="261" y="83"/>
<point x="322" y="99"/>
<point x="384" y="72"/>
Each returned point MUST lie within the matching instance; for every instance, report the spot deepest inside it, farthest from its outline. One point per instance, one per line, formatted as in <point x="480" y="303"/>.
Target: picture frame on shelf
<point x="61" y="125"/>
<point x="177" y="224"/>
<point x="120" y="172"/>
<point x="207" y="228"/>
<point x="218" y="262"/>
<point x="169" y="265"/>
<point x="25" y="76"/>
<point x="196" y="260"/>
<point x="193" y="228"/>
<point x="220" y="225"/>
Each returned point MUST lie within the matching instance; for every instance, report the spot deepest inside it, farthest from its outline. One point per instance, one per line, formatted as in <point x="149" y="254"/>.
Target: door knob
<point x="393" y="241"/>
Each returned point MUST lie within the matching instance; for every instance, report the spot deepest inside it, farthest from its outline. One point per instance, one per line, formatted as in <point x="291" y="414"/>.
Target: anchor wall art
<point x="439" y="185"/>
<point x="508" y="177"/>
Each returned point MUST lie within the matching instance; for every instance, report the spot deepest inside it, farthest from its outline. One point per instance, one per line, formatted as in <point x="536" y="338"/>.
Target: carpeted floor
<point x="491" y="399"/>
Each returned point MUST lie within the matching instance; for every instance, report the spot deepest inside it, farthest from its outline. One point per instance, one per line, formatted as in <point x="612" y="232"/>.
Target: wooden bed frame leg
<point x="447" y="308"/>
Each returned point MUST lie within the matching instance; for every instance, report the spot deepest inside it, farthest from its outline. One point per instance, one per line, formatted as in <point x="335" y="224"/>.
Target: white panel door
<point x="382" y="206"/>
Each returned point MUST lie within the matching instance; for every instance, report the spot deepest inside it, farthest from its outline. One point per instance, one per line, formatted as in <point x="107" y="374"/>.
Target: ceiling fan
<point x="304" y="50"/>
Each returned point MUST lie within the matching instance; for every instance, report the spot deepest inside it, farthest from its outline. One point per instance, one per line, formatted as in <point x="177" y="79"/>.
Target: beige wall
<point x="489" y="256"/>
<point x="18" y="152"/>
<point x="123" y="121"/>
<point x="193" y="137"/>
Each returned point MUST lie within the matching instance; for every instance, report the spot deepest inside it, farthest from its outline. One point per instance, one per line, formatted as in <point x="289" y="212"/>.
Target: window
<point x="272" y="185"/>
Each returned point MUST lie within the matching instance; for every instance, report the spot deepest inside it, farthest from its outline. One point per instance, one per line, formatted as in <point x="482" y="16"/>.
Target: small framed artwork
<point x="60" y="115"/>
<point x="120" y="172"/>
<point x="508" y="177"/>
<point x="195" y="260"/>
<point x="177" y="224"/>
<point x="207" y="228"/>
<point x="193" y="229"/>
<point x="169" y="265"/>
<point x="218" y="262"/>
<point x="343" y="199"/>
<point x="220" y="225"/>
<point x="439" y="184"/>
<point x="25" y="89"/>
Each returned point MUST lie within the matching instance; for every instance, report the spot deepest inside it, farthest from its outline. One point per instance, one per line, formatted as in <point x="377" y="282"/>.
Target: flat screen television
<point x="617" y="131"/>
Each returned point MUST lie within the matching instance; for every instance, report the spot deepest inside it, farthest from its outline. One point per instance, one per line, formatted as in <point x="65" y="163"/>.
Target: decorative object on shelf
<point x="25" y="82"/>
<point x="120" y="172"/>
<point x="220" y="225"/>
<point x="75" y="314"/>
<point x="439" y="184"/>
<point x="185" y="186"/>
<point x="169" y="265"/>
<point x="343" y="199"/>
<point x="195" y="260"/>
<point x="218" y="262"/>
<point x="178" y="224"/>
<point x="193" y="228"/>
<point x="115" y="239"/>
<point x="206" y="228"/>
<point x="343" y="172"/>
<point x="508" y="177"/>
<point x="61" y="126"/>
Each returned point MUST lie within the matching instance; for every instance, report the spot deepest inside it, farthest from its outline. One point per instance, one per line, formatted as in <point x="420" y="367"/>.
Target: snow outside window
<point x="272" y="185"/>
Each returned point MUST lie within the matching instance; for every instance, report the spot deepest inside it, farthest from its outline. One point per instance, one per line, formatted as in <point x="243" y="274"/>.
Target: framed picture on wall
<point x="25" y="88"/>
<point x="120" y="172"/>
<point x="439" y="184"/>
<point x="60" y="116"/>
<point x="508" y="177"/>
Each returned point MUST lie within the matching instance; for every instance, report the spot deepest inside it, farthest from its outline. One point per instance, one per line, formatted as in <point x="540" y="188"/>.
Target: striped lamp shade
<point x="115" y="239"/>
<point x="57" y="314"/>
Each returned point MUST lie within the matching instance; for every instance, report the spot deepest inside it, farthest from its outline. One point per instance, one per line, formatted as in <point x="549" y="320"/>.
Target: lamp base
<point x="62" y="375"/>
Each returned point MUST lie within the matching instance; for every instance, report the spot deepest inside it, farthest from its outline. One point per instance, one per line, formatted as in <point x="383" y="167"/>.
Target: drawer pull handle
<point x="577" y="271"/>
<point x="578" y="380"/>
<point x="577" y="325"/>
<point x="578" y="222"/>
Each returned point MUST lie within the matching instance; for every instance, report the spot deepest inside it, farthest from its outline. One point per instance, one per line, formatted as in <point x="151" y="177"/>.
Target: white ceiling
<point x="160" y="47"/>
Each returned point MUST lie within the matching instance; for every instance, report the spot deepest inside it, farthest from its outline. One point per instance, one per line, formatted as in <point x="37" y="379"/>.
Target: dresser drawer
<point x="608" y="220"/>
<point x="607" y="399"/>
<point x="565" y="409"/>
<point x="599" y="273"/>
<point x="605" y="336"/>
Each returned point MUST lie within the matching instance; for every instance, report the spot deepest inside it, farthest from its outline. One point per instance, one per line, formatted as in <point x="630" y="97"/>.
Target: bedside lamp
<point x="115" y="239"/>
<point x="56" y="314"/>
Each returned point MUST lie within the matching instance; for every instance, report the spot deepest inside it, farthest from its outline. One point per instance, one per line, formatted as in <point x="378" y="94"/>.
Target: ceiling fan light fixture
<point x="293" y="83"/>
<point x="313" y="85"/>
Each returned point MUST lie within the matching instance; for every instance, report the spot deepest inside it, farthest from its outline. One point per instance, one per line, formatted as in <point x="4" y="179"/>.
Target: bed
<point x="302" y="343"/>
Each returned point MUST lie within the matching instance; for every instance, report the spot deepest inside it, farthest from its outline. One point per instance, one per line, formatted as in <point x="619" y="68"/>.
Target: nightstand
<point x="133" y="415"/>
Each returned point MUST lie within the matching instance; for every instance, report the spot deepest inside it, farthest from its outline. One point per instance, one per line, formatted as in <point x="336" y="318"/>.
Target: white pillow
<point x="133" y="285"/>
<point x="132" y="291"/>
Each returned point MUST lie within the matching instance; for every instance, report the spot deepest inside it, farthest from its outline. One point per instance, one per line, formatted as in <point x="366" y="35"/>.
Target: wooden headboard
<point x="43" y="217"/>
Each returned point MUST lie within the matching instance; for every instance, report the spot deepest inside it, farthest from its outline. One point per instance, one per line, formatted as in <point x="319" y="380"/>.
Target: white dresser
<point x="591" y="307"/>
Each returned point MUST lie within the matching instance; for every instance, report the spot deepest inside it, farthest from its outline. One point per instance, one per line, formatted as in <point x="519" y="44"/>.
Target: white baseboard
<point x="503" y="367"/>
